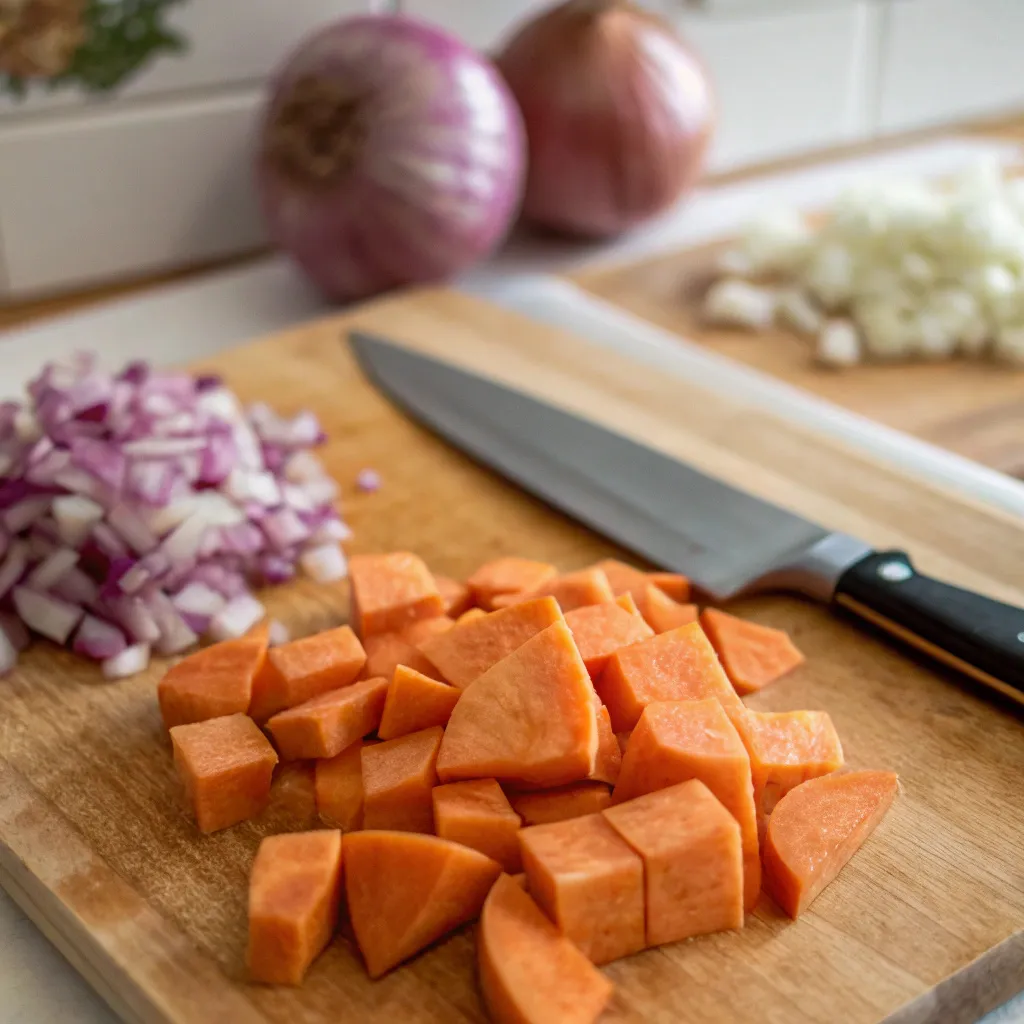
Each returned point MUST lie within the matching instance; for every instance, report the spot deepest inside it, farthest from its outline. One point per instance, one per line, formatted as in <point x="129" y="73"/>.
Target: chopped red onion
<point x="284" y="528"/>
<point x="15" y="630"/>
<point x="52" y="568"/>
<point x="8" y="653"/>
<point x="131" y="528"/>
<point x="48" y="616"/>
<point x="175" y="634"/>
<point x="325" y="563"/>
<point x="368" y="480"/>
<point x="23" y="514"/>
<point x="131" y="661"/>
<point x="236" y="618"/>
<point x="75" y="586"/>
<point x="278" y="633"/>
<point x="198" y="599"/>
<point x="98" y="639"/>
<point x="13" y="567"/>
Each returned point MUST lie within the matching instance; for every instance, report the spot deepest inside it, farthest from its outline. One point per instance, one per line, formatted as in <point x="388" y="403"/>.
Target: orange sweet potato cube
<point x="694" y="739"/>
<point x="576" y="800"/>
<point x="751" y="654"/>
<point x="214" y="682"/>
<point x="601" y="629"/>
<point x="294" y="892"/>
<point x="398" y="776"/>
<point x="339" y="788"/>
<point x="326" y="725"/>
<point x="678" y="665"/>
<point x="589" y="882"/>
<point x="477" y="814"/>
<point x="226" y="765"/>
<point x="389" y="592"/>
<point x="608" y="760"/>
<point x="415" y="701"/>
<point x="455" y="595"/>
<point x="574" y="590"/>
<point x="693" y="860"/>
<point x="301" y="669"/>
<point x="508" y="575"/>
<point x="386" y="651"/>
<point x="664" y="614"/>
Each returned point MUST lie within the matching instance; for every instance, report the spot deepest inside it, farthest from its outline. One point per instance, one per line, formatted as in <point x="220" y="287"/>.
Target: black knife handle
<point x="974" y="634"/>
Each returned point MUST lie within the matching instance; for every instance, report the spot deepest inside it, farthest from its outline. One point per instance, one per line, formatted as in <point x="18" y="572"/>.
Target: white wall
<point x="158" y="176"/>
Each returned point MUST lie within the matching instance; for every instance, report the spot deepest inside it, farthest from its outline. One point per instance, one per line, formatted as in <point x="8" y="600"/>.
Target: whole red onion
<point x="390" y="154"/>
<point x="618" y="114"/>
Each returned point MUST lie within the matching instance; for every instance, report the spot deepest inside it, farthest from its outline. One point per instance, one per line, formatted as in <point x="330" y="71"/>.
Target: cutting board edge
<point x="127" y="983"/>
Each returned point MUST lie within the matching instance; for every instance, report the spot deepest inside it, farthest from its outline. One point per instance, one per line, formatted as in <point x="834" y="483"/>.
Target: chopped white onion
<point x="236" y="618"/>
<point x="131" y="661"/>
<point x="46" y="615"/>
<point x="732" y="302"/>
<point x="839" y="345"/>
<point x="325" y="564"/>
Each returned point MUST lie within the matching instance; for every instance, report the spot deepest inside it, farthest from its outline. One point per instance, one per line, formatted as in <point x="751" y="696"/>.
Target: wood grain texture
<point x="975" y="409"/>
<point x="94" y="845"/>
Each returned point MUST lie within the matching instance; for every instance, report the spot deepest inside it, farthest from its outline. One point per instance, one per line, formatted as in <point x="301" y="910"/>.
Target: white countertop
<point x="178" y="323"/>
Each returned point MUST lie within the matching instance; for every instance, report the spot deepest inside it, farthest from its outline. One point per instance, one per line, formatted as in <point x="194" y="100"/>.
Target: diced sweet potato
<point x="530" y="718"/>
<point x="406" y="891"/>
<point x="624" y="579"/>
<point x="622" y="738"/>
<point x="470" y="614"/>
<point x="415" y="701"/>
<point x="679" y="665"/>
<point x="339" y="789"/>
<point x="397" y="779"/>
<point x="589" y="882"/>
<point x="601" y="629"/>
<point x="326" y="725"/>
<point x="816" y="828"/>
<point x="478" y="814"/>
<point x="474" y="645"/>
<point x="785" y="748"/>
<point x="426" y="628"/>
<point x="389" y="592"/>
<point x="663" y="614"/>
<point x="214" y="682"/>
<point x="386" y="651"/>
<point x="301" y="669"/>
<point x="455" y="595"/>
<point x="751" y="654"/>
<point x="226" y="765"/>
<point x="672" y="585"/>
<point x="576" y="800"/>
<point x="508" y="575"/>
<point x="608" y="761"/>
<point x="292" y="803"/>
<point x="694" y="739"/>
<point x="627" y="603"/>
<point x="693" y="860"/>
<point x="294" y="891"/>
<point x="529" y="972"/>
<point x="574" y="590"/>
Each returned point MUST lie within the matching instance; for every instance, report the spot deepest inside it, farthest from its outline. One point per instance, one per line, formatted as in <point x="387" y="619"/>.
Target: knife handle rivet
<point x="1020" y="636"/>
<point x="895" y="572"/>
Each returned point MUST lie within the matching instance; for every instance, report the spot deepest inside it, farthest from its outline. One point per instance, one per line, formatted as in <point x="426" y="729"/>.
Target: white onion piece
<point x="278" y="633"/>
<point x="75" y="516"/>
<point x="131" y="661"/>
<point x="52" y="568"/>
<point x="98" y="640"/>
<point x="324" y="564"/>
<point x="236" y="618"/>
<point x="46" y="615"/>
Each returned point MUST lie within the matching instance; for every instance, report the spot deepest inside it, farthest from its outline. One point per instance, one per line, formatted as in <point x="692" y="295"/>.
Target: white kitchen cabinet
<point x="786" y="81"/>
<point x="127" y="191"/>
<point x="949" y="59"/>
<point x="481" y="23"/>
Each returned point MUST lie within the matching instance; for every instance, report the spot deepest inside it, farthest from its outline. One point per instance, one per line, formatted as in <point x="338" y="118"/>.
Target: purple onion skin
<point x="436" y="169"/>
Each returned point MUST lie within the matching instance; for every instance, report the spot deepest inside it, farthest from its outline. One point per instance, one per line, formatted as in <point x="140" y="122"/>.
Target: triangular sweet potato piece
<point x="751" y="654"/>
<point x="573" y="590"/>
<point x="530" y="973"/>
<point x="407" y="890"/>
<point x="507" y="575"/>
<point x="531" y="718"/>
<point x="663" y="613"/>
<point x="415" y="702"/>
<point x="816" y="828"/>
<point x="601" y="629"/>
<point x="470" y="648"/>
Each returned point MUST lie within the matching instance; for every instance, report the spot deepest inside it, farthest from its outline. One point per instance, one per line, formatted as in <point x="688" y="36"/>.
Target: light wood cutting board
<point x="925" y="924"/>
<point x="975" y="409"/>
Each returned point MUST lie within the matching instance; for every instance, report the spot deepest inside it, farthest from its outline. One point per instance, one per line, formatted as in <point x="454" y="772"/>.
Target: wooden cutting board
<point x="975" y="409"/>
<point x="925" y="924"/>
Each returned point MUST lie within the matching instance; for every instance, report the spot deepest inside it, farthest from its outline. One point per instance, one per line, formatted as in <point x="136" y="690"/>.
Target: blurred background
<point x="137" y="160"/>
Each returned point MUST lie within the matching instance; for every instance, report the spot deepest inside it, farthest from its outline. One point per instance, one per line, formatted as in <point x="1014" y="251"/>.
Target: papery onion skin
<point x="390" y="154"/>
<point x="618" y="114"/>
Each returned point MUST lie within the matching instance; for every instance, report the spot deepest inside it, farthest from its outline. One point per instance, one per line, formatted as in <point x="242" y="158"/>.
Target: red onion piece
<point x="98" y="640"/>
<point x="236" y="618"/>
<point x="131" y="661"/>
<point x="390" y="154"/>
<point x="618" y="114"/>
<point x="8" y="653"/>
<point x="47" y="616"/>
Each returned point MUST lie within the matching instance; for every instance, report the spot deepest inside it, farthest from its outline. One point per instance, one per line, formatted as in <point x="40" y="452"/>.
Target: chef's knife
<point x="727" y="542"/>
